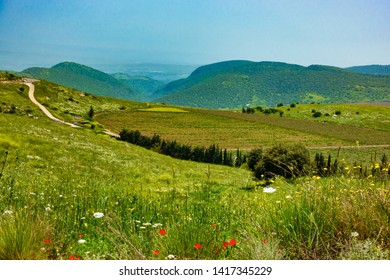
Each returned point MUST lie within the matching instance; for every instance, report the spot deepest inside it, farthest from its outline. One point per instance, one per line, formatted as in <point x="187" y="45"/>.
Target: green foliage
<point x="212" y="154"/>
<point x="317" y="114"/>
<point x="91" y="113"/>
<point x="233" y="83"/>
<point x="85" y="79"/>
<point x="287" y="161"/>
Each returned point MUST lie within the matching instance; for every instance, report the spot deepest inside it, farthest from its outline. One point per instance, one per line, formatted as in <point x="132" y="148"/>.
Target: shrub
<point x="317" y="114"/>
<point x="292" y="105"/>
<point x="338" y="112"/>
<point x="254" y="157"/>
<point x="287" y="161"/>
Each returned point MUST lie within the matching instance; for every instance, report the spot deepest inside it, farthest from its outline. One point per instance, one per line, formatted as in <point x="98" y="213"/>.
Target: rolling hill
<point x="86" y="79"/>
<point x="372" y="69"/>
<point x="232" y="84"/>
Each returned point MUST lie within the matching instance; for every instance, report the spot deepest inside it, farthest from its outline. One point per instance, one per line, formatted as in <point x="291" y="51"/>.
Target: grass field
<point x="72" y="193"/>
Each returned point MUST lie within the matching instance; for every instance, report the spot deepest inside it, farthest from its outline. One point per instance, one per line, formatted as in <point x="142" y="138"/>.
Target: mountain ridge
<point x="231" y="84"/>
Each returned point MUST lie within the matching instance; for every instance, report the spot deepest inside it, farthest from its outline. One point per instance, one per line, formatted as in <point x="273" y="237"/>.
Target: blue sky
<point x="99" y="32"/>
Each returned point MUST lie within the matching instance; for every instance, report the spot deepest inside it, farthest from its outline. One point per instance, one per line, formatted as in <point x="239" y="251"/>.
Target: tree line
<point x="213" y="154"/>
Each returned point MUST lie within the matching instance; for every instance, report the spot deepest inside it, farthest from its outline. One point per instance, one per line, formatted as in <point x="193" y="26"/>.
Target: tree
<point x="91" y="113"/>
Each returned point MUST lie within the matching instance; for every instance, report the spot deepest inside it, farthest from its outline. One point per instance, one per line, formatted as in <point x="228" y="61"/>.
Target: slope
<point x="84" y="78"/>
<point x="371" y="69"/>
<point x="232" y="84"/>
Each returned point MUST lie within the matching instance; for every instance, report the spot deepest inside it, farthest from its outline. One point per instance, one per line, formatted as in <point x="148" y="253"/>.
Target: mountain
<point x="372" y="69"/>
<point x="232" y="84"/>
<point x="142" y="84"/>
<point x="86" y="79"/>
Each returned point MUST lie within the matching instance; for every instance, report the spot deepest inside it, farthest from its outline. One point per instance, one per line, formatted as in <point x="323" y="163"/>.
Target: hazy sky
<point x="97" y="32"/>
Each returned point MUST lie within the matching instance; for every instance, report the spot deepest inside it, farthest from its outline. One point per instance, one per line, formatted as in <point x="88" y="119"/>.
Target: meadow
<point x="75" y="193"/>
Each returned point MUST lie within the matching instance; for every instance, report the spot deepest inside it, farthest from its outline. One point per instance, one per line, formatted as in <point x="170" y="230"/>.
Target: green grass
<point x="54" y="178"/>
<point x="361" y="115"/>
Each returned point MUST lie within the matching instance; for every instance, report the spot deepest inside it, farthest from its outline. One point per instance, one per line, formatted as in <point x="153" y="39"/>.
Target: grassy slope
<point x="85" y="79"/>
<point x="233" y="84"/>
<point x="56" y="177"/>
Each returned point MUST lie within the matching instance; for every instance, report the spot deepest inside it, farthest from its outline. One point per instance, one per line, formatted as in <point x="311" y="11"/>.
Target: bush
<point x="287" y="161"/>
<point x="254" y="157"/>
<point x="317" y="114"/>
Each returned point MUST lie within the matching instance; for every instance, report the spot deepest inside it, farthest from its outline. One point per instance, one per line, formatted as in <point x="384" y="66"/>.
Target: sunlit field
<point x="73" y="193"/>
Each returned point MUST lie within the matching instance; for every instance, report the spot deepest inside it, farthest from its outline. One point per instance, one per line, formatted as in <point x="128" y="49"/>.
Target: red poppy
<point x="80" y="235"/>
<point x="78" y="258"/>
<point x="156" y="252"/>
<point x="279" y="251"/>
<point x="232" y="242"/>
<point x="197" y="246"/>
<point x="214" y="225"/>
<point x="47" y="240"/>
<point x="71" y="258"/>
<point x="225" y="244"/>
<point x="163" y="231"/>
<point x="264" y="241"/>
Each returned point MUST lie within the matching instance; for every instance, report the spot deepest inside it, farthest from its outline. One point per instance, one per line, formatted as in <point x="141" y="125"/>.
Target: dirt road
<point x="44" y="110"/>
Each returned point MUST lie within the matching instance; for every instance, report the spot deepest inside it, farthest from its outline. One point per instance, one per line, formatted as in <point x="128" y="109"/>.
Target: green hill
<point x="232" y="84"/>
<point x="142" y="84"/>
<point x="372" y="69"/>
<point x="84" y="78"/>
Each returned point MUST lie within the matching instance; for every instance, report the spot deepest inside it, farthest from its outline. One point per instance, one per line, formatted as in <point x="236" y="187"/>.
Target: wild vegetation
<point x="232" y="84"/>
<point x="74" y="193"/>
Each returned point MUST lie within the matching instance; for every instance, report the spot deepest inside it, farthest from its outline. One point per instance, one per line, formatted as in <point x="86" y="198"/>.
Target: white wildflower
<point x="269" y="190"/>
<point x="147" y="224"/>
<point x="288" y="197"/>
<point x="142" y="227"/>
<point x="81" y="241"/>
<point x="157" y="225"/>
<point x="98" y="215"/>
<point x="7" y="212"/>
<point x="354" y="234"/>
<point x="171" y="257"/>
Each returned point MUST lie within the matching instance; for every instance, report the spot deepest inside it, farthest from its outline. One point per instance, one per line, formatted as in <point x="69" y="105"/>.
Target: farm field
<point x="74" y="193"/>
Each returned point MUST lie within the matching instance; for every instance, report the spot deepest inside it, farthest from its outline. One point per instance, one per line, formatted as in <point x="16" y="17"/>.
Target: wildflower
<point x="156" y="252"/>
<point x="162" y="231"/>
<point x="279" y="251"/>
<point x="214" y="226"/>
<point x="80" y="235"/>
<point x="98" y="215"/>
<point x="71" y="258"/>
<point x="288" y="197"/>
<point x="232" y="242"/>
<point x="225" y="244"/>
<point x="47" y="240"/>
<point x="354" y="234"/>
<point x="269" y="190"/>
<point x="7" y="212"/>
<point x="171" y="257"/>
<point x="157" y="225"/>
<point x="147" y="224"/>
<point x="197" y="246"/>
<point x="264" y="241"/>
<point x="142" y="227"/>
<point x="78" y="258"/>
<point x="81" y="241"/>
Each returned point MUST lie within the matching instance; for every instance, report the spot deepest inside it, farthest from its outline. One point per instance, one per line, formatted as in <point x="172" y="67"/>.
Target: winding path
<point x="31" y="87"/>
<point x="29" y="83"/>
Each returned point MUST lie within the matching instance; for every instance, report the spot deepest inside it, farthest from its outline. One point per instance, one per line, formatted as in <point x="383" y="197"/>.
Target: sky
<point x="341" y="33"/>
